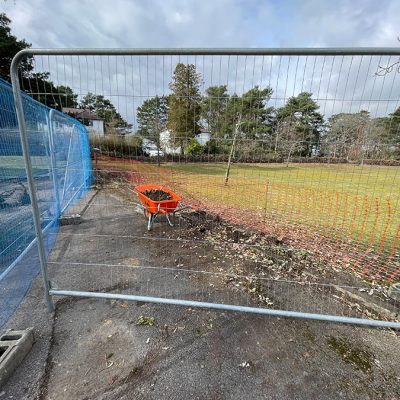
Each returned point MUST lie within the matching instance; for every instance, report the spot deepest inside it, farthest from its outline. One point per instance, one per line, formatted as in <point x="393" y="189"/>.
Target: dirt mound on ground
<point x="157" y="195"/>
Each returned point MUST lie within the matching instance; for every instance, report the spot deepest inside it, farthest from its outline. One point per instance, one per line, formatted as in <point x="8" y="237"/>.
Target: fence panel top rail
<point x="333" y="51"/>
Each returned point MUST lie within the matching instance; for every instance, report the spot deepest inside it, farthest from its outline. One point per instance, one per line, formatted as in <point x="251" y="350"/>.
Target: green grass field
<point x="368" y="179"/>
<point x="355" y="203"/>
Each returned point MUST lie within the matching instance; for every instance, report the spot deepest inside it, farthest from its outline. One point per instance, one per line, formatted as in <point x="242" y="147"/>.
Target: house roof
<point x="79" y="113"/>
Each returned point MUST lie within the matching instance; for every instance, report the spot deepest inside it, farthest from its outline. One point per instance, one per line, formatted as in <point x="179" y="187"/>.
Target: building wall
<point x="96" y="127"/>
<point x="203" y="137"/>
<point x="166" y="143"/>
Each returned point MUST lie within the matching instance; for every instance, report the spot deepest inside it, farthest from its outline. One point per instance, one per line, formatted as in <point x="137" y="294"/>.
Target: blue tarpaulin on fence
<point x="60" y="156"/>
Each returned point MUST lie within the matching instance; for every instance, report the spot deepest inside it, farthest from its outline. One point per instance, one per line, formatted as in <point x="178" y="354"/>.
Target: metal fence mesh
<point x="61" y="169"/>
<point x="287" y="164"/>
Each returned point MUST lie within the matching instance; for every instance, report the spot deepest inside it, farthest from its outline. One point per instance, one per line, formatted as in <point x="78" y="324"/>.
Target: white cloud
<point x="107" y="23"/>
<point x="212" y="23"/>
<point x="348" y="23"/>
<point x="206" y="23"/>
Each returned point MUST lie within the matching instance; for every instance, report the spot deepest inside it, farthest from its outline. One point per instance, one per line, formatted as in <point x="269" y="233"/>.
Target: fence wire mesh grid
<point x="60" y="159"/>
<point x="286" y="166"/>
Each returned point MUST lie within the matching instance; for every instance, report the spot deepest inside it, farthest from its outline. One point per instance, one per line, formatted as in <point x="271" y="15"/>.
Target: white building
<point x="150" y="148"/>
<point x="203" y="137"/>
<point x="94" y="124"/>
<point x="166" y="145"/>
<point x="165" y="141"/>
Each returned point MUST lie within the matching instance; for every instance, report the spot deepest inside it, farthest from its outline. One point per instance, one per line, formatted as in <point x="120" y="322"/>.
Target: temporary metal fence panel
<point x="48" y="134"/>
<point x="286" y="163"/>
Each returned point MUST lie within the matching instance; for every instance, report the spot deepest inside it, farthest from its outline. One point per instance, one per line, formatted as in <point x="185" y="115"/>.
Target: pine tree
<point x="298" y="125"/>
<point x="214" y="108"/>
<point x="251" y="109"/>
<point x="152" y="117"/>
<point x="184" y="105"/>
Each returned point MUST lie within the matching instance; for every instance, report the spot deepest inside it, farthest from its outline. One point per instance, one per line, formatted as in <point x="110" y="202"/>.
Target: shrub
<point x="194" y="148"/>
<point x="217" y="146"/>
<point x="117" y="146"/>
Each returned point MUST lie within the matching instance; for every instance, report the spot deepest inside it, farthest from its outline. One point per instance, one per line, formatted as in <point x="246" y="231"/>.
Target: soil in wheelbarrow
<point x="157" y="195"/>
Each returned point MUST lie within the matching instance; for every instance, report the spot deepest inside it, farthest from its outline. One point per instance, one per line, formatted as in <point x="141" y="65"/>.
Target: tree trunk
<point x="231" y="153"/>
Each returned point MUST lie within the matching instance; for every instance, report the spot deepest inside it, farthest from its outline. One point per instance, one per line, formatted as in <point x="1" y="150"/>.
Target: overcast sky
<point x="217" y="23"/>
<point x="207" y="23"/>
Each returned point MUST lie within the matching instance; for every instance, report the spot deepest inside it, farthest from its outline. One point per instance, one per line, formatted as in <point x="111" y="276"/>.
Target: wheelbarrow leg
<point x="170" y="219"/>
<point x="150" y="223"/>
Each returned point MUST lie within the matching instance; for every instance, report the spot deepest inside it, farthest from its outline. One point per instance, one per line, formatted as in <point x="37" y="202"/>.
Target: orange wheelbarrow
<point x="152" y="208"/>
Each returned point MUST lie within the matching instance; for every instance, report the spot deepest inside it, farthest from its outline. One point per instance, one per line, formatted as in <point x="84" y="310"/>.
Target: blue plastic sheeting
<point x="60" y="155"/>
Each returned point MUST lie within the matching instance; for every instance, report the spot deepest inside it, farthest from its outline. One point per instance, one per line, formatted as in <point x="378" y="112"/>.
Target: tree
<point x="214" y="106"/>
<point x="381" y="137"/>
<point x="376" y="140"/>
<point x="39" y="86"/>
<point x="152" y="117"/>
<point x="91" y="102"/>
<point x="248" y="118"/>
<point x="393" y="125"/>
<point x="9" y="46"/>
<point x="104" y="109"/>
<point x="298" y="125"/>
<point x="184" y="105"/>
<point x="356" y="136"/>
<point x="233" y="116"/>
<point x="194" y="148"/>
<point x="256" y="119"/>
<point x="287" y="141"/>
<point x="66" y="97"/>
<point x="344" y="135"/>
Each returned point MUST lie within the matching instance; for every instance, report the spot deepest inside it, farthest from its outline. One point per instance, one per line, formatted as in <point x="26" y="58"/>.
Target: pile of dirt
<point x="157" y="195"/>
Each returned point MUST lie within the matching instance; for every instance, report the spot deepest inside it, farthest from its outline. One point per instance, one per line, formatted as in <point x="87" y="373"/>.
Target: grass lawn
<point x="358" y="204"/>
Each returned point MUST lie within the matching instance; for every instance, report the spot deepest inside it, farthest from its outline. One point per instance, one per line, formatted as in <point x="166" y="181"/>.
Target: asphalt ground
<point x="107" y="349"/>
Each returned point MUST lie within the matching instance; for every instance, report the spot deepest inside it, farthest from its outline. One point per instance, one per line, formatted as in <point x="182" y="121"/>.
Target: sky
<point x="339" y="84"/>
<point x="206" y="23"/>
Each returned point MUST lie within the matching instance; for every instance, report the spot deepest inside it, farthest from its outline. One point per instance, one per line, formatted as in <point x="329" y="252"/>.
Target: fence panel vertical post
<point x="30" y="179"/>
<point x="53" y="162"/>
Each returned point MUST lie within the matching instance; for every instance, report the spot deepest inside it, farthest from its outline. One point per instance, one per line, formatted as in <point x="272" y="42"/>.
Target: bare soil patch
<point x="157" y="195"/>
